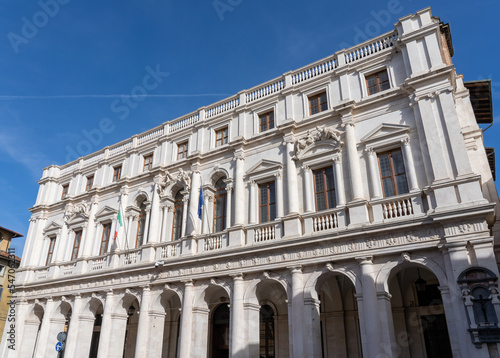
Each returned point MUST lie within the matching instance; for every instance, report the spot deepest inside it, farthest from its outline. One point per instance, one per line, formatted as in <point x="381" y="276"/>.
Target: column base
<point x="292" y="225"/>
<point x="236" y="236"/>
<point x="358" y="213"/>
<point x="148" y="253"/>
<point x="188" y="246"/>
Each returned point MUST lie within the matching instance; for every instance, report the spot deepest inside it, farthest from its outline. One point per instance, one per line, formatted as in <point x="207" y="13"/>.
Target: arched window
<point x="266" y="345"/>
<point x="484" y="312"/>
<point x="220" y="206"/>
<point x="141" y="226"/>
<point x="178" y="207"/>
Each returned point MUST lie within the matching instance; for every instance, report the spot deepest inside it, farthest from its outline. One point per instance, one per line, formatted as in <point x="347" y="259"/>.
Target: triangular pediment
<point x="106" y="211"/>
<point x="76" y="218"/>
<point x="320" y="148"/>
<point x="52" y="226"/>
<point x="264" y="165"/>
<point x="384" y="131"/>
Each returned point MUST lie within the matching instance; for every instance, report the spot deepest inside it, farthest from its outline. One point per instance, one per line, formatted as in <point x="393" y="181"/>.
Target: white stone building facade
<point x="349" y="211"/>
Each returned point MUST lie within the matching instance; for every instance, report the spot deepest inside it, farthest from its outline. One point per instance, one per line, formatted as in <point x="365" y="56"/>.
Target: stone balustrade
<point x="398" y="207"/>
<point x="324" y="221"/>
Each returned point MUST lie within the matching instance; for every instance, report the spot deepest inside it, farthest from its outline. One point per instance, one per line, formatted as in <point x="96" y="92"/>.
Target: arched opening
<point x="339" y="317"/>
<point x="96" y="331"/>
<point x="131" y="329"/>
<point x="267" y="333"/>
<point x="220" y="206"/>
<point x="220" y="332"/>
<point x="178" y="213"/>
<point x="417" y="309"/>
<point x="31" y="333"/>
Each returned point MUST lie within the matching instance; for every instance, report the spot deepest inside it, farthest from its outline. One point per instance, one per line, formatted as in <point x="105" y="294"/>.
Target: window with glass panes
<point x="76" y="244"/>
<point x="266" y="346"/>
<point x="377" y="82"/>
<point x="182" y="150"/>
<point x="220" y="206"/>
<point x="392" y="173"/>
<point x="178" y="208"/>
<point x="324" y="189"/>
<point x="141" y="225"/>
<point x="50" y="253"/>
<point x="148" y="162"/>
<point x="106" y="231"/>
<point x="117" y="173"/>
<point x="267" y="202"/>
<point x="317" y="103"/>
<point x="90" y="182"/>
<point x="221" y="137"/>
<point x="65" y="190"/>
<point x="266" y="121"/>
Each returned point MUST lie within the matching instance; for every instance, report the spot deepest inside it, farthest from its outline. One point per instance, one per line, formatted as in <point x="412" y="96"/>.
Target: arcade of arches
<point x="397" y="308"/>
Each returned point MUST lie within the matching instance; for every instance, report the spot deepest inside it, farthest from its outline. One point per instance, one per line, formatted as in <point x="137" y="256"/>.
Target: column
<point x="279" y="196"/>
<point x="312" y="329"/>
<point x="375" y="184"/>
<point x="74" y="328"/>
<point x="106" y="326"/>
<point x="309" y="189"/>
<point x="142" y="342"/>
<point x="91" y="226"/>
<point x="238" y="325"/>
<point x="339" y="181"/>
<point x="239" y="193"/>
<point x="193" y="226"/>
<point x="229" y="203"/>
<point x="128" y="231"/>
<point x="43" y="336"/>
<point x="253" y="201"/>
<point x="370" y="309"/>
<point x="146" y="226"/>
<point x="386" y="323"/>
<point x="297" y="317"/>
<point x="185" y="200"/>
<point x="164" y="223"/>
<point x="354" y="166"/>
<point x="291" y="176"/>
<point x="154" y="226"/>
<point x="410" y="165"/>
<point x="206" y="218"/>
<point x="186" y="320"/>
<point x="60" y="244"/>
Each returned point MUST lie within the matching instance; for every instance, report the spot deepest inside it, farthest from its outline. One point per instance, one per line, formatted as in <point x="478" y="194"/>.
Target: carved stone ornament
<point x="80" y="208"/>
<point x="321" y="134"/>
<point x="182" y="177"/>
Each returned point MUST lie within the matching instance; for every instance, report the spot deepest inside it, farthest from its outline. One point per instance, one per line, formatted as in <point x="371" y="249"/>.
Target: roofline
<point x="14" y="234"/>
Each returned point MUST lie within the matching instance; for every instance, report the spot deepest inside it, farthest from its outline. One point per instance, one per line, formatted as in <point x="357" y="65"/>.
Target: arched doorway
<point x="31" y="332"/>
<point x="420" y="326"/>
<point x="220" y="332"/>
<point x="131" y="330"/>
<point x="339" y="317"/>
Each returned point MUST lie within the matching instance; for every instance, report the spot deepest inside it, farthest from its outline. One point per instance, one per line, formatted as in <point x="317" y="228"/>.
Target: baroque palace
<point x="347" y="210"/>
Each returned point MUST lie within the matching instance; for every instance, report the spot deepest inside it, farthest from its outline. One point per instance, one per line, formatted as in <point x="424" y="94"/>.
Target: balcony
<point x="326" y="220"/>
<point x="401" y="207"/>
<point x="262" y="232"/>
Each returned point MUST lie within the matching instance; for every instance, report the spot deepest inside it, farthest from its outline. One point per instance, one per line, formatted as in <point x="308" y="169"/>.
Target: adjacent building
<point x="344" y="209"/>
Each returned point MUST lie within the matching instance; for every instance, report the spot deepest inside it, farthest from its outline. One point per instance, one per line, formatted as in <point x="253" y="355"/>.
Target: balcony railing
<point x="130" y="257"/>
<point x="398" y="207"/>
<point x="269" y="231"/>
<point x="68" y="269"/>
<point x="98" y="263"/>
<point x="213" y="242"/>
<point x="324" y="220"/>
<point x="168" y="249"/>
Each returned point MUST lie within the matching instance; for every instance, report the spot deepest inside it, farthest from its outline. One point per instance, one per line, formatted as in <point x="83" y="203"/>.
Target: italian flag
<point x="119" y="223"/>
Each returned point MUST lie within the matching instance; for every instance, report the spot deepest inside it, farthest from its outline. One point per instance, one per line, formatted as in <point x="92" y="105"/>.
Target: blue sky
<point x="65" y="67"/>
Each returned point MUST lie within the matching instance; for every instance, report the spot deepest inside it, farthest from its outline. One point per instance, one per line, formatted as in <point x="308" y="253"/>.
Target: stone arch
<point x="311" y="283"/>
<point x="216" y="174"/>
<point x="93" y="303"/>
<point x="385" y="273"/>
<point x="141" y="196"/>
<point x="36" y="314"/>
<point x="62" y="310"/>
<point x="250" y="292"/>
<point x="161" y="297"/>
<point x="127" y="299"/>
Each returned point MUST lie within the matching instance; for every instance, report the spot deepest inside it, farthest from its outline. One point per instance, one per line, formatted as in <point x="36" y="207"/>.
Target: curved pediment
<point x="319" y="149"/>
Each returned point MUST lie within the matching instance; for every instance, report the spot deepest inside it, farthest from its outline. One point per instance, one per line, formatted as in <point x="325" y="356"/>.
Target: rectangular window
<point x="266" y="121"/>
<point x="178" y="209"/>
<point x="76" y="245"/>
<point x="90" y="182"/>
<point x="117" y="173"/>
<point x="65" y="191"/>
<point x="377" y="82"/>
<point x="392" y="172"/>
<point x="221" y="137"/>
<point x="106" y="231"/>
<point x="324" y="189"/>
<point x="317" y="103"/>
<point x="148" y="162"/>
<point x="267" y="202"/>
<point x="50" y="253"/>
<point x="182" y="150"/>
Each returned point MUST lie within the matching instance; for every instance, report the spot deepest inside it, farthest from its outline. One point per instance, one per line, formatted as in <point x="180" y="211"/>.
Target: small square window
<point x="266" y="121"/>
<point x="148" y="162"/>
<point x="317" y="103"/>
<point x="117" y="173"/>
<point x="377" y="82"/>
<point x="182" y="150"/>
<point x="221" y="137"/>
<point x="65" y="189"/>
<point x="90" y="182"/>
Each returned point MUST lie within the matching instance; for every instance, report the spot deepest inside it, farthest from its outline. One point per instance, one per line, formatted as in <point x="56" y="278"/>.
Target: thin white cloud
<point x="85" y="96"/>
